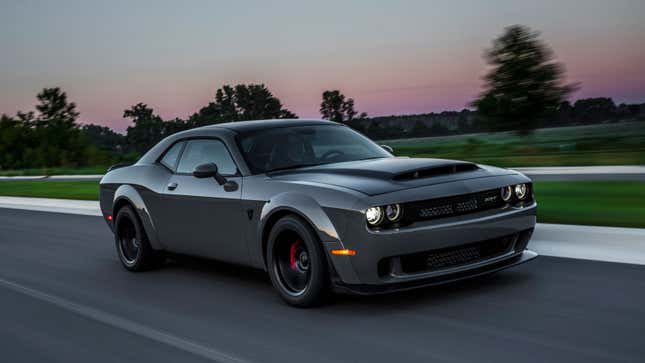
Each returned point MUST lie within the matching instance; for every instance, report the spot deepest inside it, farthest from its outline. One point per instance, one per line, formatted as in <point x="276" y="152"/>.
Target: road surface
<point x="64" y="297"/>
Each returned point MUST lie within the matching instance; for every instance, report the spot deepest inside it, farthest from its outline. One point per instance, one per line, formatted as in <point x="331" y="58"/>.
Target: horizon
<point x="420" y="61"/>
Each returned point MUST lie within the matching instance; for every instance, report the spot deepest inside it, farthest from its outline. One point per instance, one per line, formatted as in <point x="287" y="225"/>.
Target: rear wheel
<point x="132" y="244"/>
<point x="297" y="263"/>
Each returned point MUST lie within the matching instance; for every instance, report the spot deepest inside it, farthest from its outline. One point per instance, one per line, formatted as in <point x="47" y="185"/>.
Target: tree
<point x="54" y="108"/>
<point x="60" y="140"/>
<point x="239" y="103"/>
<point x="594" y="110"/>
<point x="48" y="138"/>
<point x="104" y="138"/>
<point x="419" y="130"/>
<point x="562" y="115"/>
<point x="147" y="128"/>
<point x="16" y="137"/>
<point x="174" y="126"/>
<point x="336" y="108"/>
<point x="524" y="83"/>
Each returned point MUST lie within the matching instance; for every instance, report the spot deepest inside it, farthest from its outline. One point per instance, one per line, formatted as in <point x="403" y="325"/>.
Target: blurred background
<point x="549" y="85"/>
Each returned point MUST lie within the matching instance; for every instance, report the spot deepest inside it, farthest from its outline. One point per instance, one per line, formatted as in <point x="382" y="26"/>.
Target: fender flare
<point x="298" y="204"/>
<point x="128" y="194"/>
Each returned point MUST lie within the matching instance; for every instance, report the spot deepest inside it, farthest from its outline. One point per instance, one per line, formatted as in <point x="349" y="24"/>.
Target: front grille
<point x="457" y="256"/>
<point x="453" y="206"/>
<point x="452" y="258"/>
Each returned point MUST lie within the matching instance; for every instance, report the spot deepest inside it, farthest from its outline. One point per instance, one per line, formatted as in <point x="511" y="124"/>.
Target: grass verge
<point x="89" y="170"/>
<point x="612" y="203"/>
<point x="605" y="144"/>
<point x="84" y="190"/>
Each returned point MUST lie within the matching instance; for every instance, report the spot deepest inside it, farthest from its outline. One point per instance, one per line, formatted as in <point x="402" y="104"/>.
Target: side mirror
<point x="209" y="170"/>
<point x="388" y="149"/>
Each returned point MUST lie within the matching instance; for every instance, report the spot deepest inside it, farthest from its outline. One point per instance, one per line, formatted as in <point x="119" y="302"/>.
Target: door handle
<point x="172" y="186"/>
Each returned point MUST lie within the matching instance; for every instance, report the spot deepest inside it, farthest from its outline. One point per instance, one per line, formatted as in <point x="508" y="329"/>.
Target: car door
<point x="201" y="217"/>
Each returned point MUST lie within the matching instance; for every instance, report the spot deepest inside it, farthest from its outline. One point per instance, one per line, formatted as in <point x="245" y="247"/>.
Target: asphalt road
<point x="64" y="297"/>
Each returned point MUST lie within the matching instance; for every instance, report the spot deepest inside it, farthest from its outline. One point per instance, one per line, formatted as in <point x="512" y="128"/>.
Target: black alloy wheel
<point x="297" y="263"/>
<point x="133" y="248"/>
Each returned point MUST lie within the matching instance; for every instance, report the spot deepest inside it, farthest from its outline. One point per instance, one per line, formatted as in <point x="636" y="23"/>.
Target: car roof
<point x="251" y="126"/>
<point x="227" y="132"/>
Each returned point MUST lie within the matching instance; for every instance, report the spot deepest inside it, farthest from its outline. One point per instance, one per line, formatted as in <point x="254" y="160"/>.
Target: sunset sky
<point x="392" y="57"/>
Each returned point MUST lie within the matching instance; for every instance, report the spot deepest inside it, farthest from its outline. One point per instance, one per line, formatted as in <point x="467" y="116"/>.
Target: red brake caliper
<point x="292" y="254"/>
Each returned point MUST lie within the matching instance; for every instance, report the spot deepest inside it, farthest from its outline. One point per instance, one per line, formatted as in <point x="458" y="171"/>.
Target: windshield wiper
<point x="297" y="166"/>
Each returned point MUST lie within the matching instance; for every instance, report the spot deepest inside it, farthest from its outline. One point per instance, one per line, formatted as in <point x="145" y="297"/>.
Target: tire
<point x="132" y="245"/>
<point x="293" y="247"/>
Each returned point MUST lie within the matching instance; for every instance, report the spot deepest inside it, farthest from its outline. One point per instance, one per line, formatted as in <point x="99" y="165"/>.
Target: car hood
<point x="385" y="175"/>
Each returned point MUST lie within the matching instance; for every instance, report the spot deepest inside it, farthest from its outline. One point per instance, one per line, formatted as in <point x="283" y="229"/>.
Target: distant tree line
<point x="586" y="111"/>
<point x="524" y="89"/>
<point x="48" y="137"/>
<point x="52" y="137"/>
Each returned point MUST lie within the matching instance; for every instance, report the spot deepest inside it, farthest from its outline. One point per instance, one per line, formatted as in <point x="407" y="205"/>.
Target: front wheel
<point x="297" y="264"/>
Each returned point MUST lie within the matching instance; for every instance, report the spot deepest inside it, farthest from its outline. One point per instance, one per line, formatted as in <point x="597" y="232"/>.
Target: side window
<point x="199" y="152"/>
<point x="171" y="157"/>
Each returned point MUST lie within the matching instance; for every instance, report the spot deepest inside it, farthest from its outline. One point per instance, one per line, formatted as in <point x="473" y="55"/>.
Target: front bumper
<point x="364" y="289"/>
<point x="364" y="271"/>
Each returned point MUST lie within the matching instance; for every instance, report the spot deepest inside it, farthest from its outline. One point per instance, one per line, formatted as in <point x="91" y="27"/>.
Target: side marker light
<point x="343" y="252"/>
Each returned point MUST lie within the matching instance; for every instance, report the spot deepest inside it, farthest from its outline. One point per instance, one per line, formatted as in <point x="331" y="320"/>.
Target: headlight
<point x="374" y="215"/>
<point x="393" y="212"/>
<point x="506" y="193"/>
<point x="520" y="191"/>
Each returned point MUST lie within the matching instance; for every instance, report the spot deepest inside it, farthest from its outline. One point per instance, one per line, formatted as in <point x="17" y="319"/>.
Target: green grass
<point x="613" y="203"/>
<point x="606" y="144"/>
<point x="56" y="171"/>
<point x="85" y="190"/>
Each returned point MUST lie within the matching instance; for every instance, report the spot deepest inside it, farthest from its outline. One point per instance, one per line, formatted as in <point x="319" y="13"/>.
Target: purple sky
<point x="392" y="57"/>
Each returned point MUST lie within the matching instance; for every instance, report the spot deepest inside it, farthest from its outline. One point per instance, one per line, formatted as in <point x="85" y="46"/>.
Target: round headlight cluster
<point x="393" y="212"/>
<point x="520" y="191"/>
<point x="377" y="215"/>
<point x="507" y="193"/>
<point x="374" y="215"/>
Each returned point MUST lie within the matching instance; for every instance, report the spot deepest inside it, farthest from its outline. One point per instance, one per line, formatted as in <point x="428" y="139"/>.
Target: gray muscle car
<point x="318" y="206"/>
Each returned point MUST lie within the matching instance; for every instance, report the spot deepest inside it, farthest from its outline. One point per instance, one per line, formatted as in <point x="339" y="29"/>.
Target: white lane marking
<point x="68" y="206"/>
<point x="623" y="245"/>
<point x="124" y="324"/>
<point x="22" y="177"/>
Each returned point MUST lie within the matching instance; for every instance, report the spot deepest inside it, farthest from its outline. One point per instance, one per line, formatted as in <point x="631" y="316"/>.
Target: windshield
<point x="298" y="146"/>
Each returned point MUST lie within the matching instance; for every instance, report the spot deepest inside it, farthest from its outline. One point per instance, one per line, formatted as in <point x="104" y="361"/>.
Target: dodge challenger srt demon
<point x="318" y="206"/>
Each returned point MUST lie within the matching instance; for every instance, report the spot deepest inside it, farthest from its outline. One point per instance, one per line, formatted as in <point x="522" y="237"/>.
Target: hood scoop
<point x="435" y="171"/>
